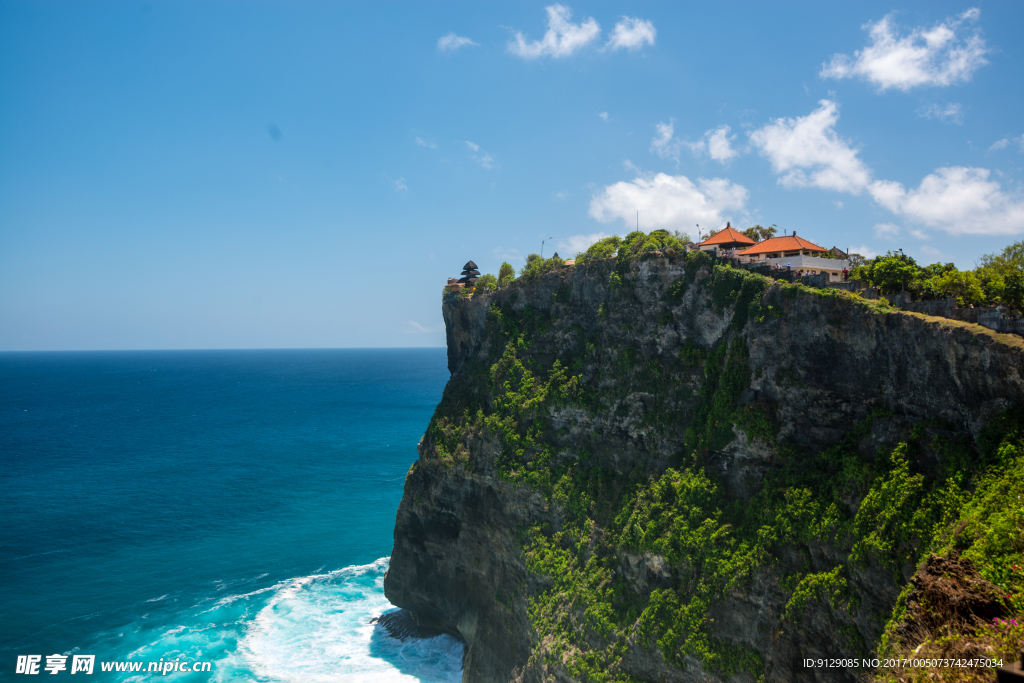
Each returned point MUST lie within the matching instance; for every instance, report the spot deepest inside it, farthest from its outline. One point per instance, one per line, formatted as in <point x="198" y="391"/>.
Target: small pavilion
<point x="727" y="241"/>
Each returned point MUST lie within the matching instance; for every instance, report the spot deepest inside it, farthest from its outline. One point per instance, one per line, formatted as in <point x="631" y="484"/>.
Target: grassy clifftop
<point x="700" y="474"/>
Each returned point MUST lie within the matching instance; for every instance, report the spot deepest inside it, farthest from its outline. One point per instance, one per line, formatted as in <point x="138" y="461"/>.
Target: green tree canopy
<point x="760" y="233"/>
<point x="890" y="273"/>
<point x="632" y="245"/>
<point x="962" y="284"/>
<point x="1009" y="260"/>
<point x="536" y="266"/>
<point x="506" y="274"/>
<point x="636" y="243"/>
<point x="486" y="283"/>
<point x="605" y="248"/>
<point x="1013" y="291"/>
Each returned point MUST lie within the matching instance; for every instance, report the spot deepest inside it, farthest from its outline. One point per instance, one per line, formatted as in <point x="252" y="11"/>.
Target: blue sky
<point x="248" y="175"/>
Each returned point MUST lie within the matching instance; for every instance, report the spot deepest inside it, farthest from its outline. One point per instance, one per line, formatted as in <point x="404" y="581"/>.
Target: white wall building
<point x="811" y="265"/>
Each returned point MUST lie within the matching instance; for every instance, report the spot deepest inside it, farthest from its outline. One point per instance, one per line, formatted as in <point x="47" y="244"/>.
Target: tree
<point x="683" y="237"/>
<point x="962" y="284"/>
<point x="605" y="248"/>
<point x="992" y="284"/>
<point x="506" y="274"/>
<point x="1010" y="260"/>
<point x="1013" y="291"/>
<point x="632" y="245"/>
<point x="925" y="286"/>
<point x="536" y="266"/>
<point x="760" y="233"/>
<point x="532" y="265"/>
<point x="891" y="273"/>
<point x="636" y="243"/>
<point x="486" y="283"/>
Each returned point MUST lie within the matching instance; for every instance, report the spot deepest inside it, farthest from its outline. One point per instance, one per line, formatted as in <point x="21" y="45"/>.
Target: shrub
<point x="486" y="283"/>
<point x="506" y="274"/>
<point x="605" y="248"/>
<point x="631" y="246"/>
<point x="637" y="243"/>
<point x="537" y="266"/>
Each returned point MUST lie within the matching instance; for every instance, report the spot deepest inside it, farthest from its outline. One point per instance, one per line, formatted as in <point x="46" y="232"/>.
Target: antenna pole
<point x="542" y="246"/>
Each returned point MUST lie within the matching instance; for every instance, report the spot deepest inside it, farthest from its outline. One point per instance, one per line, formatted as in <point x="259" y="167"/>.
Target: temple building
<point x="727" y="241"/>
<point x="796" y="254"/>
<point x="469" y="275"/>
<point x="780" y="247"/>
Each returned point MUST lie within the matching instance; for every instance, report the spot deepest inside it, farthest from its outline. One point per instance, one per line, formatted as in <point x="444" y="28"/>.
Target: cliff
<point x="663" y="469"/>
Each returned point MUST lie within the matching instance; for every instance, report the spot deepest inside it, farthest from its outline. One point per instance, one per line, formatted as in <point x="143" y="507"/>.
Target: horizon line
<point x="254" y="348"/>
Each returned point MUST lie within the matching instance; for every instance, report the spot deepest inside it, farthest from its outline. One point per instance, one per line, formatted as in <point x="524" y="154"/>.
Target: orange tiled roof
<point x="727" y="235"/>
<point x="787" y="243"/>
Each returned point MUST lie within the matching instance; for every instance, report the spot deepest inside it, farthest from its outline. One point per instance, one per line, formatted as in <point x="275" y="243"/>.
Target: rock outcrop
<point x="637" y="337"/>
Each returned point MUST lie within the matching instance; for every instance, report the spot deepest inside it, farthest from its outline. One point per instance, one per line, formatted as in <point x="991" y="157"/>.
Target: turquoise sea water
<point x="235" y="507"/>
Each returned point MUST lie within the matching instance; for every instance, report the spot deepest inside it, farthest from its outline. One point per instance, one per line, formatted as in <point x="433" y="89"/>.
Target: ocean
<point x="229" y="507"/>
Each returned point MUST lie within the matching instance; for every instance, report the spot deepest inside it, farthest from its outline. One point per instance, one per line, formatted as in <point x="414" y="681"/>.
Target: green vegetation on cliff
<point x="998" y="280"/>
<point x="641" y="550"/>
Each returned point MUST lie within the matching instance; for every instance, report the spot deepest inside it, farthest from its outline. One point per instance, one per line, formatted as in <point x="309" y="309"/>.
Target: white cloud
<point x="452" y="42"/>
<point x="920" y="234"/>
<point x="839" y="204"/>
<point x="630" y="166"/>
<point x="429" y="144"/>
<point x="931" y="251"/>
<point x="716" y="143"/>
<point x="939" y="56"/>
<point x="664" y="144"/>
<point x="666" y="201"/>
<point x="957" y="200"/>
<point x="952" y="112"/>
<point x="561" y="195"/>
<point x="1005" y="142"/>
<point x="570" y="246"/>
<point x="864" y="250"/>
<point x="807" y="152"/>
<point x="604" y="116"/>
<point x="400" y="185"/>
<point x="886" y="230"/>
<point x="999" y="144"/>
<point x="561" y="39"/>
<point x="413" y="327"/>
<point x="480" y="156"/>
<point x="631" y="33"/>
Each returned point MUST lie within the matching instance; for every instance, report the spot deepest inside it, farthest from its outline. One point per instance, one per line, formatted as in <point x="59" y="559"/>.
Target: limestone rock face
<point x="819" y="364"/>
<point x="456" y="561"/>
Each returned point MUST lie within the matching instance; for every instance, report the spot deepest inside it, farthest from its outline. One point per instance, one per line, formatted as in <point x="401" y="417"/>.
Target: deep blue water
<point x="226" y="506"/>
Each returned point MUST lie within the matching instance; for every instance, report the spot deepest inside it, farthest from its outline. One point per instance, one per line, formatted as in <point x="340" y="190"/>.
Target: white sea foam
<point x="312" y="629"/>
<point x="317" y="628"/>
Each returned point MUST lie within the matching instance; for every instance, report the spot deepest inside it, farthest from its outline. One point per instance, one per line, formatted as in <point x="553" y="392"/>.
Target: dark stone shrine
<point x="469" y="274"/>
